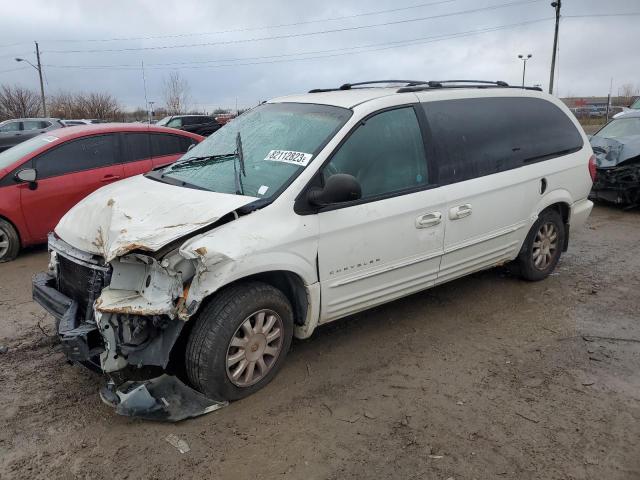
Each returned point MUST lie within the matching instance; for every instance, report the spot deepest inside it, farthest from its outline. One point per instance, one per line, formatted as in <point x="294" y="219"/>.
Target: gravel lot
<point x="485" y="377"/>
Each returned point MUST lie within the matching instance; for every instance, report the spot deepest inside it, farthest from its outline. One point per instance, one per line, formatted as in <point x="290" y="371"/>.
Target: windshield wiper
<point x="188" y="162"/>
<point x="240" y="156"/>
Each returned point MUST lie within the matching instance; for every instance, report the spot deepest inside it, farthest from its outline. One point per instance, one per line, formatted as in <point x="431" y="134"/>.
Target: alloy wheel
<point x="545" y="245"/>
<point x="254" y="348"/>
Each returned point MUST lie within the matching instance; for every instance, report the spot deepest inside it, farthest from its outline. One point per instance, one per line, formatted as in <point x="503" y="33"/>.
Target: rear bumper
<point x="81" y="341"/>
<point x="580" y="211"/>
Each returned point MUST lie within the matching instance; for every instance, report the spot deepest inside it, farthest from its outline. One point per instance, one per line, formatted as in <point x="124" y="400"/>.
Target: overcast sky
<point x="242" y="59"/>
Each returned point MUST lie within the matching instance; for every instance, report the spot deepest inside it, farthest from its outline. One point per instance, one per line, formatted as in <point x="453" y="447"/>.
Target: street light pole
<point x="557" y="6"/>
<point x="524" y="66"/>
<point x="150" y="111"/>
<point x="39" y="69"/>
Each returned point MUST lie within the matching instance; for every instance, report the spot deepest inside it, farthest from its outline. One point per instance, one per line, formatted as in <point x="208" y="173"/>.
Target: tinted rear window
<point x="162" y="144"/>
<point x="480" y="136"/>
<point x="138" y="146"/>
<point x="77" y="155"/>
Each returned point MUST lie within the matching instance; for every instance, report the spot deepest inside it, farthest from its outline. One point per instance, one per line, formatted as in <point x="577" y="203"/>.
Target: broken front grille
<point x="82" y="283"/>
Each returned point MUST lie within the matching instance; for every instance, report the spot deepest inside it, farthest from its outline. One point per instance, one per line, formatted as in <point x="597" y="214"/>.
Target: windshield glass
<point x="164" y="121"/>
<point x="636" y="105"/>
<point x="621" y="127"/>
<point x="277" y="141"/>
<point x="14" y="154"/>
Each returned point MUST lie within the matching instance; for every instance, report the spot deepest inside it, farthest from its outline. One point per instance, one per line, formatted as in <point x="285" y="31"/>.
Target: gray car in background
<point x="18" y="130"/>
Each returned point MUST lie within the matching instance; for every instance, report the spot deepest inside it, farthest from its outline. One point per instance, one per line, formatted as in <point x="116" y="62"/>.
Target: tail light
<point x="592" y="167"/>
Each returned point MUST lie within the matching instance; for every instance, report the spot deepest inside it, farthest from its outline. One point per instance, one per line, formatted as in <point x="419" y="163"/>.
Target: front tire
<point x="239" y="341"/>
<point x="9" y="241"/>
<point x="542" y="247"/>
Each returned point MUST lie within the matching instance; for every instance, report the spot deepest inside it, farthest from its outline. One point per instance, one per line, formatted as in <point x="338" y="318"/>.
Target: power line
<point x="13" y="69"/>
<point x="324" y="53"/>
<point x="264" y="27"/>
<point x="294" y="35"/>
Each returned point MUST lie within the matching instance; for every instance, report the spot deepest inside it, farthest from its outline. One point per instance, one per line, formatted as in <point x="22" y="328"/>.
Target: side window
<point x="162" y="144"/>
<point x="32" y="125"/>
<point x="385" y="155"/>
<point x="77" y="155"/>
<point x="11" y="127"/>
<point x="481" y="136"/>
<point x="138" y="146"/>
<point x="186" y="142"/>
<point x="175" y="123"/>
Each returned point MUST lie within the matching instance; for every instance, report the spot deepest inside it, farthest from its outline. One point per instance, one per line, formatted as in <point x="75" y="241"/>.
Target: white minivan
<point x="185" y="286"/>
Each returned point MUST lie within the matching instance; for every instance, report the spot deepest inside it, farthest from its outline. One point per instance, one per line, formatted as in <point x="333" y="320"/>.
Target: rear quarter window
<point x="481" y="136"/>
<point x="163" y="144"/>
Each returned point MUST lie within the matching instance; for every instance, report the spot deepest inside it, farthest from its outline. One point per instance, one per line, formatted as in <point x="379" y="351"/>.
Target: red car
<point x="42" y="178"/>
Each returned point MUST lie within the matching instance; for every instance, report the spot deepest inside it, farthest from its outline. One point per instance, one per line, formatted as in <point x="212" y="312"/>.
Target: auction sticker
<point x="288" y="156"/>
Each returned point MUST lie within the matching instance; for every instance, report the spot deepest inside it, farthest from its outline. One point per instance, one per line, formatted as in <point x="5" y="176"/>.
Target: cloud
<point x="592" y="49"/>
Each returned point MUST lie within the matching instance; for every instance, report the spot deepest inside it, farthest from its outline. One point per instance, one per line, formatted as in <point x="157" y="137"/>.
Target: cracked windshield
<point x="275" y="142"/>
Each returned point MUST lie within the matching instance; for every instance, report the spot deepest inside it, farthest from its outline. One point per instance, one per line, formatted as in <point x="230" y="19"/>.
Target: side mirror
<point x="340" y="187"/>
<point x="27" y="175"/>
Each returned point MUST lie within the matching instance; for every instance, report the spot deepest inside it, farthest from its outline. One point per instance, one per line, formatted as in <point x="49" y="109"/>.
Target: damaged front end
<point x="617" y="170"/>
<point x="123" y="318"/>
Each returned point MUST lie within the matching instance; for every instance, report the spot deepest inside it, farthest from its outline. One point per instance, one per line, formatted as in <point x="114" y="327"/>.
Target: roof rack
<point x="420" y="85"/>
<point x="348" y="86"/>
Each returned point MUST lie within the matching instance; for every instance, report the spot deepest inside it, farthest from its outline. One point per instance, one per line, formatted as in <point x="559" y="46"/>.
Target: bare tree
<point x="64" y="105"/>
<point x="627" y="93"/>
<point x="18" y="102"/>
<point x="103" y="106"/>
<point x="176" y="94"/>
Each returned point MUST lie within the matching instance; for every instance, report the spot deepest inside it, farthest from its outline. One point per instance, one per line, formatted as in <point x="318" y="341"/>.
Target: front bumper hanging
<point x="164" y="398"/>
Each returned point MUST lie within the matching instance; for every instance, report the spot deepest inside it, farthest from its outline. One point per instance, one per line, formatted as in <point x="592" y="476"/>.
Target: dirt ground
<point x="485" y="377"/>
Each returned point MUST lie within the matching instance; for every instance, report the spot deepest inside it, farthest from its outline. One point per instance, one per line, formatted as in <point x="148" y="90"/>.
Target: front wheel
<point x="542" y="247"/>
<point x="9" y="241"/>
<point x="239" y="341"/>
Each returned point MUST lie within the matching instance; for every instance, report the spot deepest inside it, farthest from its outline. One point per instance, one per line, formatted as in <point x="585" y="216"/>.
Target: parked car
<point x="635" y="106"/>
<point x="617" y="150"/>
<point x="42" y="178"/>
<point x="13" y="132"/>
<point x="203" y="125"/>
<point x="304" y="210"/>
<point x="82" y="121"/>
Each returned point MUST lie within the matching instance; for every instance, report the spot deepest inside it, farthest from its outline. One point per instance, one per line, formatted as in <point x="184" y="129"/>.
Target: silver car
<point x="18" y="130"/>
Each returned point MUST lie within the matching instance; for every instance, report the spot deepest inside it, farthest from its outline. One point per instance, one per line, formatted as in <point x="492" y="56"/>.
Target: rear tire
<point x="240" y="341"/>
<point x="542" y="247"/>
<point x="9" y="241"/>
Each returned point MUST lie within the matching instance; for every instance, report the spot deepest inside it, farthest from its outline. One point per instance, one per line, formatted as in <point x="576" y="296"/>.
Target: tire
<point x="542" y="247"/>
<point x="9" y="241"/>
<point x="212" y="360"/>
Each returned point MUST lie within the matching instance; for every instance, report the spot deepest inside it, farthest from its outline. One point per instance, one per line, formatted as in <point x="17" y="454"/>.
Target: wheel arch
<point x="559" y="200"/>
<point x="289" y="283"/>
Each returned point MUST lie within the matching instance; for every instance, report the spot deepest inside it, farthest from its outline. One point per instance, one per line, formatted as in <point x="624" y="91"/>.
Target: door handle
<point x="428" y="220"/>
<point x="460" y="211"/>
<point x="110" y="178"/>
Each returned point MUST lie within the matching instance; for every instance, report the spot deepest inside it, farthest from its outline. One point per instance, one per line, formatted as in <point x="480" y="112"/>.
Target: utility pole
<point x="44" y="105"/>
<point x="557" y="6"/>
<point x="150" y="111"/>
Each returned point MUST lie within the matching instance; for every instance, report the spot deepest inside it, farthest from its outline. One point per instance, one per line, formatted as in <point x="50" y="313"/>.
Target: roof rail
<point x="419" y="85"/>
<point x="440" y="83"/>
<point x="348" y="86"/>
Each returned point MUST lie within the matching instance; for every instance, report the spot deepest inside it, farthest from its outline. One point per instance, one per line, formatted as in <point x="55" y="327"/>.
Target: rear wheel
<point x="9" y="241"/>
<point x="239" y="341"/>
<point x="542" y="248"/>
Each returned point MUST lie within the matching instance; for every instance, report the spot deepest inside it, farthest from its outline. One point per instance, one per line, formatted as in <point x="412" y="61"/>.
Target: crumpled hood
<point x="141" y="214"/>
<point x="611" y="152"/>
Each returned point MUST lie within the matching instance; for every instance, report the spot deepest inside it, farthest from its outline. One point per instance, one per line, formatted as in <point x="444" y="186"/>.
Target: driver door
<point x="389" y="243"/>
